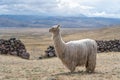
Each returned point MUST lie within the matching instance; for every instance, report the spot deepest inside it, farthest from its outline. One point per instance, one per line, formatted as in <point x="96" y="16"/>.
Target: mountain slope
<point x="42" y="21"/>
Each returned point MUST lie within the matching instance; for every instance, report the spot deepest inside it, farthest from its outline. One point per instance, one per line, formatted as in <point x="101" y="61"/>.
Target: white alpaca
<point x="75" y="53"/>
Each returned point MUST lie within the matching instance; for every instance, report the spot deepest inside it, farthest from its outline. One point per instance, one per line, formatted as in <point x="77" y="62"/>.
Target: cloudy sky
<point x="99" y="8"/>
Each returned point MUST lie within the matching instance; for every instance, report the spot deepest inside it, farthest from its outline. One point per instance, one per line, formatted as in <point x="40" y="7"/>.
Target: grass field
<point x="38" y="39"/>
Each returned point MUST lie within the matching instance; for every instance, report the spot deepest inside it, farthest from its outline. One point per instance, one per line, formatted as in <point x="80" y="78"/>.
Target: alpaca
<point x="74" y="53"/>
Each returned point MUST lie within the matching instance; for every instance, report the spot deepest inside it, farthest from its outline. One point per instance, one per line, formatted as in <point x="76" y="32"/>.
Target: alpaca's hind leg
<point x="90" y="68"/>
<point x="91" y="63"/>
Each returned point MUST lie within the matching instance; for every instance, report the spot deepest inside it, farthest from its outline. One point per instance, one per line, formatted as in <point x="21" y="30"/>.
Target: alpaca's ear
<point x="58" y="26"/>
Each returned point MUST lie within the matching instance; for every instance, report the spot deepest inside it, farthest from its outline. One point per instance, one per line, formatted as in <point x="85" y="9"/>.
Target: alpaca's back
<point x="79" y="50"/>
<point x="84" y="44"/>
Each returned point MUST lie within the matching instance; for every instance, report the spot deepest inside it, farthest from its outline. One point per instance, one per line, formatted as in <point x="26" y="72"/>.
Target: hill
<point x="47" y="21"/>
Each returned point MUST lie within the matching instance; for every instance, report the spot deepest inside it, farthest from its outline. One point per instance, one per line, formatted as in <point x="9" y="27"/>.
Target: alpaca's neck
<point x="59" y="44"/>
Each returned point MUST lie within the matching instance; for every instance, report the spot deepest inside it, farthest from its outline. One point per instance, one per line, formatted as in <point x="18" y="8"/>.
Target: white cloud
<point x="3" y="6"/>
<point x="71" y="7"/>
<point x="104" y="14"/>
<point x="3" y="9"/>
<point x="99" y="13"/>
<point x="105" y="8"/>
<point x="100" y="8"/>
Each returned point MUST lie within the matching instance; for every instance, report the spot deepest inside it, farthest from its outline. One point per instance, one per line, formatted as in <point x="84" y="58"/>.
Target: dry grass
<point x="37" y="40"/>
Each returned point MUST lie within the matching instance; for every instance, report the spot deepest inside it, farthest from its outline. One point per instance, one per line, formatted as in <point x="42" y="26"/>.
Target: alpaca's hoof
<point x="88" y="71"/>
<point x="72" y="71"/>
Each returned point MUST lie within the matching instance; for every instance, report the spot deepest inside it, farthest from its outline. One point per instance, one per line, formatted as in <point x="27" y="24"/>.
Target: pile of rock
<point x="108" y="45"/>
<point x="50" y="52"/>
<point x="13" y="47"/>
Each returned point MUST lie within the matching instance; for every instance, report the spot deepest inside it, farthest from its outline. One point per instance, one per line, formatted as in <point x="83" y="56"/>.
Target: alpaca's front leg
<point x="71" y="67"/>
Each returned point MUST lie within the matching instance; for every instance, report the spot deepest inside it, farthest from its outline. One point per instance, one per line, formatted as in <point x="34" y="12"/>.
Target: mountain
<point x="43" y="21"/>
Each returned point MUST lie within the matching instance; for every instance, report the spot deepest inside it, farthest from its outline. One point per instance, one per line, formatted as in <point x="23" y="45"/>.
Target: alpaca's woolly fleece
<point x="75" y="53"/>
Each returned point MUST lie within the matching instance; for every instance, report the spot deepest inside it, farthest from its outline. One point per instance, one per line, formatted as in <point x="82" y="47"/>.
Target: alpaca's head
<point x="55" y="29"/>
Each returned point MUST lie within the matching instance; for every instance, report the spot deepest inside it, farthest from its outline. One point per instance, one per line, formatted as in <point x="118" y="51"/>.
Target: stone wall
<point x="108" y="45"/>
